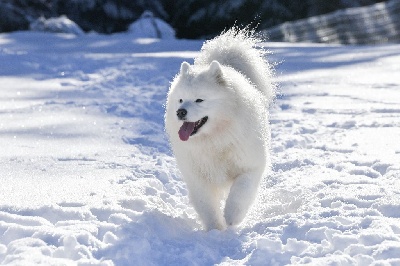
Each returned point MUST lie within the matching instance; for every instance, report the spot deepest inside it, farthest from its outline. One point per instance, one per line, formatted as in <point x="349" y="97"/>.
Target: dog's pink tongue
<point x="185" y="130"/>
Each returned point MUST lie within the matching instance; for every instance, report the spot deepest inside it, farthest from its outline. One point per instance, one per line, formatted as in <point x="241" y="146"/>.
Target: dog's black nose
<point x="181" y="113"/>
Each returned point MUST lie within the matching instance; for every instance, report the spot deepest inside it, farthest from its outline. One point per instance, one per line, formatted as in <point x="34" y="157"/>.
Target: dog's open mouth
<point x="190" y="128"/>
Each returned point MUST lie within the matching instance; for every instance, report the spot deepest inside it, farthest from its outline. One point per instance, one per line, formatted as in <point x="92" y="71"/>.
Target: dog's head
<point x="199" y="101"/>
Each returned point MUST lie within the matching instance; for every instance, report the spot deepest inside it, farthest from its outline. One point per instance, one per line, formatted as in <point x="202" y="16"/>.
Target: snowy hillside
<point x="187" y="17"/>
<point x="88" y="177"/>
<point x="374" y="24"/>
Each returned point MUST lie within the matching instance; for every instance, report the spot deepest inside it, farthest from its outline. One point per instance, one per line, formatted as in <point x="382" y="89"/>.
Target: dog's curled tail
<point x="238" y="49"/>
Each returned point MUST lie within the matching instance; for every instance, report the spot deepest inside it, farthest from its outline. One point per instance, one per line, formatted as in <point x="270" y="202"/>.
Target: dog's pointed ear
<point x="216" y="71"/>
<point x="185" y="68"/>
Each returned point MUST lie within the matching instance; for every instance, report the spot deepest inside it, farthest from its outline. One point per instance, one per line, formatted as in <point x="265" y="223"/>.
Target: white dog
<point x="217" y="121"/>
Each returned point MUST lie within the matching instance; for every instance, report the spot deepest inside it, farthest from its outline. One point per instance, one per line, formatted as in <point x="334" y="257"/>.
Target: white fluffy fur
<point x="223" y="163"/>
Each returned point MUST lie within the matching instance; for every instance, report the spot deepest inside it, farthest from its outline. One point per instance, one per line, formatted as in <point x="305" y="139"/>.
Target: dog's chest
<point x="219" y="165"/>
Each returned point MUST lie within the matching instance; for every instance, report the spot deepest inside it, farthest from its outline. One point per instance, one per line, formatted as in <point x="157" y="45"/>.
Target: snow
<point x="88" y="177"/>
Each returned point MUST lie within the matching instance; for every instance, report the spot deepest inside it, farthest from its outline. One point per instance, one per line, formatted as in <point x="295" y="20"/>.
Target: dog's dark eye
<point x="180" y="100"/>
<point x="199" y="100"/>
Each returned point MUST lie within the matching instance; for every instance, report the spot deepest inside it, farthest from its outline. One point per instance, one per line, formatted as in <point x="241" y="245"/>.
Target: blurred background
<point x="327" y="21"/>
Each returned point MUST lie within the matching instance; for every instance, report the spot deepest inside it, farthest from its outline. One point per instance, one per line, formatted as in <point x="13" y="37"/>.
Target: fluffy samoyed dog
<point x="217" y="121"/>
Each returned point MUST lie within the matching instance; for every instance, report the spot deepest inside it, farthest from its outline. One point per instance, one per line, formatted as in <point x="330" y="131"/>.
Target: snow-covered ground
<point x="87" y="176"/>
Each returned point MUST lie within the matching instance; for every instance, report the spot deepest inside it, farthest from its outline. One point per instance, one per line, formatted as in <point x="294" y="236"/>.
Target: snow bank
<point x="148" y="26"/>
<point x="88" y="178"/>
<point x="60" y="24"/>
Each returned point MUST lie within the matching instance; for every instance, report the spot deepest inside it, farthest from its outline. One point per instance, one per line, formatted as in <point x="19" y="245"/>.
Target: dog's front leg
<point x="241" y="195"/>
<point x="206" y="200"/>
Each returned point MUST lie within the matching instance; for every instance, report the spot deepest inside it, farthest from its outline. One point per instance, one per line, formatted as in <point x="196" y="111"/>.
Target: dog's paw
<point x="214" y="225"/>
<point x="234" y="216"/>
